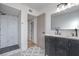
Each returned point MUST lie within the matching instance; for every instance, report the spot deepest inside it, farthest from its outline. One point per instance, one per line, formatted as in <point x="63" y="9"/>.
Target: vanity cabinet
<point x="58" y="46"/>
<point x="50" y="46"/>
<point x="74" y="48"/>
<point x="61" y="47"/>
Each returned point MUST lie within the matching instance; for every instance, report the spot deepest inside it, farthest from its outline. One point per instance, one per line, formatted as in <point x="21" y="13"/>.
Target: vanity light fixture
<point x="61" y="6"/>
<point x="64" y="6"/>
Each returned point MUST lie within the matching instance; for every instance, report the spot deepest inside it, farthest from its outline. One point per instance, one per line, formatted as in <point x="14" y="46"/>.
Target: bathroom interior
<point x="32" y="29"/>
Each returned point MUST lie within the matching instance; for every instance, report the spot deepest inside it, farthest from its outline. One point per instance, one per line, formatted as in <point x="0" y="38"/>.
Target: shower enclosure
<point x="9" y="29"/>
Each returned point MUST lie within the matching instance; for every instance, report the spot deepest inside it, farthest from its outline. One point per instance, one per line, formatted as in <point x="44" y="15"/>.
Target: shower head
<point x="2" y="13"/>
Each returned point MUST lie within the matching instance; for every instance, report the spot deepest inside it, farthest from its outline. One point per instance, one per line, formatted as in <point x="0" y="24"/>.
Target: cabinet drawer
<point x="74" y="48"/>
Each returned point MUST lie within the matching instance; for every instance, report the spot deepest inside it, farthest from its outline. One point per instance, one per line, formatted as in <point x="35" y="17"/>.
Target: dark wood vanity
<point x="60" y="46"/>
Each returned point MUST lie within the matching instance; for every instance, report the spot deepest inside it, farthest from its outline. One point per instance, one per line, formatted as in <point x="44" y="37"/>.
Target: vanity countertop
<point x="69" y="37"/>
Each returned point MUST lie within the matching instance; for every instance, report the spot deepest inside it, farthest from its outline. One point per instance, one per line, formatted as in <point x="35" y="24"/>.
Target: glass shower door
<point x="8" y="33"/>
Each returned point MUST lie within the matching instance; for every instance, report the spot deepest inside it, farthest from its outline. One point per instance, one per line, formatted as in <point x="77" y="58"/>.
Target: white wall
<point x="24" y="23"/>
<point x="48" y="11"/>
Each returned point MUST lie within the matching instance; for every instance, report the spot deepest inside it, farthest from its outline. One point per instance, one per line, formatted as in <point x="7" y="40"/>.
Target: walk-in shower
<point x="9" y="28"/>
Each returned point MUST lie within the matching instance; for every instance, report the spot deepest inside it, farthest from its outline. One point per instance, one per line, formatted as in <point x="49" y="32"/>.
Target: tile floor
<point x="34" y="51"/>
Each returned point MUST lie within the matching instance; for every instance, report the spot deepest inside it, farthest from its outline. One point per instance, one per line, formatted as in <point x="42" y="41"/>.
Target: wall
<point x="24" y="23"/>
<point x="48" y="11"/>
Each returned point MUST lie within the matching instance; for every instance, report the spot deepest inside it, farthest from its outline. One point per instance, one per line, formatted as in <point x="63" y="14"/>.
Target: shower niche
<point x="9" y="28"/>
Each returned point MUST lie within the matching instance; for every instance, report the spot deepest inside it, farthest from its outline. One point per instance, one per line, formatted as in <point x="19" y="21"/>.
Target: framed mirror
<point x="68" y="19"/>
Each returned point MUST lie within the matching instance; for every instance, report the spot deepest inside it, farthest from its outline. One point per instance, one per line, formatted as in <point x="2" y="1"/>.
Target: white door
<point x="41" y="30"/>
<point x="9" y="30"/>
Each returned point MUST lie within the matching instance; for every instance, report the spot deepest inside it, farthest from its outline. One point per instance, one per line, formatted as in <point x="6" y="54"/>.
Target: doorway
<point x="31" y="31"/>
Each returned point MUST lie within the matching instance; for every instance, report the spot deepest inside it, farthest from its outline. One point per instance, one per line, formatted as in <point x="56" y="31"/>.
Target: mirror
<point x="65" y="20"/>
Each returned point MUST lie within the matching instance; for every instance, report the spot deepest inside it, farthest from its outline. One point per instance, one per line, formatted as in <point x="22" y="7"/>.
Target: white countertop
<point x="69" y="37"/>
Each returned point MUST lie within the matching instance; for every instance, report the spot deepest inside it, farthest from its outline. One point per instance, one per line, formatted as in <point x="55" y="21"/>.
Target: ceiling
<point x="38" y="6"/>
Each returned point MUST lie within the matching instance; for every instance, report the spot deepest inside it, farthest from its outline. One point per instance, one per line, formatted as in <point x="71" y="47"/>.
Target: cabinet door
<point x="52" y="46"/>
<point x="61" y="43"/>
<point x="61" y="47"/>
<point x="60" y="52"/>
<point x="46" y="45"/>
<point x="74" y="48"/>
